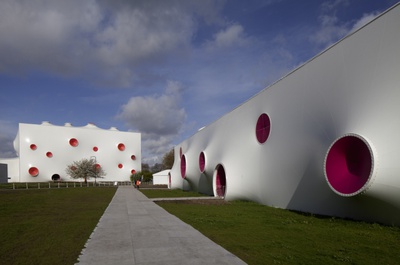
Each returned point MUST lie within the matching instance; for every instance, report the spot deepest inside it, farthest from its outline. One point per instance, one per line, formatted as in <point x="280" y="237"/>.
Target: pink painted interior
<point x="263" y="128"/>
<point x="183" y="166"/>
<point x="73" y="142"/>
<point x="220" y="180"/>
<point x="202" y="162"/>
<point x="348" y="165"/>
<point x="33" y="171"/>
<point x="33" y="146"/>
<point x="49" y="154"/>
<point x="121" y="147"/>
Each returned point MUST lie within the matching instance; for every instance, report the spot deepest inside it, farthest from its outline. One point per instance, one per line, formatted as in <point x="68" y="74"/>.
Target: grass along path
<point x="49" y="226"/>
<point x="259" y="234"/>
<point x="166" y="193"/>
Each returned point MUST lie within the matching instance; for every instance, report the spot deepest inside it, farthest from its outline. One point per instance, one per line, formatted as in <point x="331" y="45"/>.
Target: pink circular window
<point x="133" y="171"/>
<point x="349" y="165"/>
<point x="33" y="171"/>
<point x="33" y="146"/>
<point x="263" y="128"/>
<point x="95" y="149"/>
<point x="202" y="162"/>
<point x="133" y="157"/>
<point x="97" y="166"/>
<point x="49" y="154"/>
<point x="121" y="147"/>
<point x="73" y="142"/>
<point x="220" y="180"/>
<point x="120" y="166"/>
<point x="183" y="166"/>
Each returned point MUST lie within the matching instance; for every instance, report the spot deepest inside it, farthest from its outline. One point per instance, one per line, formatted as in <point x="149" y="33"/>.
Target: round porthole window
<point x="263" y="127"/>
<point x="349" y="165"/>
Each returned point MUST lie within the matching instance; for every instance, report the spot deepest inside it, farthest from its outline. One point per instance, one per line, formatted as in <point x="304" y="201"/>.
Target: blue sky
<point x="164" y="68"/>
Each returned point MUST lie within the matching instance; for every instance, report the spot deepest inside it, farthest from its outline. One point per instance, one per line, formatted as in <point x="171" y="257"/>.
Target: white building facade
<point x="44" y="152"/>
<point x="323" y="139"/>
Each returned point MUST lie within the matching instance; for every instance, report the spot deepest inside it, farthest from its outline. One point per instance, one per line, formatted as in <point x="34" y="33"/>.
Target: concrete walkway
<point x="135" y="230"/>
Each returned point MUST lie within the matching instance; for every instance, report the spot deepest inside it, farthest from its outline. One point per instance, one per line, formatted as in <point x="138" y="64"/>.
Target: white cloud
<point x="96" y="39"/>
<point x="232" y="36"/>
<point x="159" y="118"/>
<point x="365" y="19"/>
<point x="8" y="133"/>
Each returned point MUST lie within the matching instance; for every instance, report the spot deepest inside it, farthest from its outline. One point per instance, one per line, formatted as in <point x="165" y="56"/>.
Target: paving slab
<point x="135" y="230"/>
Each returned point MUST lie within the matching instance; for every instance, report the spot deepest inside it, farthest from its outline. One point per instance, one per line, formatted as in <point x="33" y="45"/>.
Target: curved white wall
<point x="351" y="91"/>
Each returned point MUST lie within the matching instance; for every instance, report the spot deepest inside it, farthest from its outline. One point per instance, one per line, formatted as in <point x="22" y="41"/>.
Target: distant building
<point x="162" y="178"/>
<point x="45" y="150"/>
<point x="323" y="139"/>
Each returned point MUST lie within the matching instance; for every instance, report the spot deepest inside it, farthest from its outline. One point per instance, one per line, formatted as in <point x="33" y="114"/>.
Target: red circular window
<point x="133" y="157"/>
<point x="133" y="171"/>
<point x="220" y="180"/>
<point x="349" y="165"/>
<point x="120" y="165"/>
<point x="202" y="162"/>
<point x="73" y="142"/>
<point x="263" y="128"/>
<point x="73" y="168"/>
<point x="49" y="154"/>
<point x="97" y="166"/>
<point x="183" y="166"/>
<point x="33" y="146"/>
<point x="95" y="149"/>
<point x="33" y="171"/>
<point x="121" y="147"/>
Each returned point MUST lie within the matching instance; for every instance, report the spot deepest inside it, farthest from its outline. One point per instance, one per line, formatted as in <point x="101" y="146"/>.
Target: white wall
<point x="55" y="139"/>
<point x="352" y="88"/>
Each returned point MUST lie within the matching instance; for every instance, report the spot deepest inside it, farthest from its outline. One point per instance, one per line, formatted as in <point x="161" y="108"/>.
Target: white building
<point x="162" y="178"/>
<point x="45" y="150"/>
<point x="323" y="139"/>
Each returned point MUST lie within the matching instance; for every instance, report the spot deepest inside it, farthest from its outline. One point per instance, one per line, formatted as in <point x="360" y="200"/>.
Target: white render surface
<point x="47" y="147"/>
<point x="350" y="89"/>
<point x="161" y="178"/>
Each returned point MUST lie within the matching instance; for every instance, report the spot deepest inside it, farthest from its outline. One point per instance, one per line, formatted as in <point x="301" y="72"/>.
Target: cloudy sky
<point x="164" y="68"/>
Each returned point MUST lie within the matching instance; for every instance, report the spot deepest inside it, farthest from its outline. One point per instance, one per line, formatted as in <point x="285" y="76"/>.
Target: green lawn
<point x="49" y="226"/>
<point x="166" y="193"/>
<point x="260" y="234"/>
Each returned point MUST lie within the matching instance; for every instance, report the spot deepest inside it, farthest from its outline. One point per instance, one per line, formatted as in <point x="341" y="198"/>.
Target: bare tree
<point x="168" y="160"/>
<point x="85" y="169"/>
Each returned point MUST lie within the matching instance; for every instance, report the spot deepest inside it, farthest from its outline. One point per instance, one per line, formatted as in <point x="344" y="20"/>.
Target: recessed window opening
<point x="55" y="177"/>
<point x="183" y="166"/>
<point x="349" y="165"/>
<point x="263" y="128"/>
<point x="220" y="181"/>
<point x="202" y="162"/>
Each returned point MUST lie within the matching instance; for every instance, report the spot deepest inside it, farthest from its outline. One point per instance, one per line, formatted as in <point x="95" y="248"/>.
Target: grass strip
<point x="166" y="193"/>
<point x="48" y="226"/>
<point x="259" y="234"/>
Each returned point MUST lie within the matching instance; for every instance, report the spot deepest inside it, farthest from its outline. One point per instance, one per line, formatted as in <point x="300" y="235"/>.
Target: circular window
<point x="349" y="165"/>
<point x="33" y="171"/>
<point x="73" y="142"/>
<point x="133" y="171"/>
<point x="97" y="166"/>
<point x="121" y="147"/>
<point x="120" y="166"/>
<point x="220" y="180"/>
<point x="49" y="154"/>
<point x="263" y="128"/>
<point x="55" y="177"/>
<point x="95" y="149"/>
<point x="33" y="146"/>
<point x="183" y="166"/>
<point x="133" y="157"/>
<point x="202" y="162"/>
